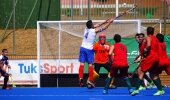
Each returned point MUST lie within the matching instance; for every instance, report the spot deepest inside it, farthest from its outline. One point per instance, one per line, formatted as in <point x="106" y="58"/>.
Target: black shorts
<point x="97" y="67"/>
<point x="122" y="72"/>
<point x="3" y="73"/>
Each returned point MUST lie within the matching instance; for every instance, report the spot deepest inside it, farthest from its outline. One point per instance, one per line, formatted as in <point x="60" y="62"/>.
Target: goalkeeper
<point x="101" y="58"/>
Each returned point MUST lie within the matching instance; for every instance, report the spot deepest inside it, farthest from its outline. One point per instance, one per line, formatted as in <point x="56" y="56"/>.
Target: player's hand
<point x="145" y="53"/>
<point x="9" y="74"/>
<point x="6" y="74"/>
<point x="138" y="59"/>
<point x="106" y="47"/>
<point x="107" y="20"/>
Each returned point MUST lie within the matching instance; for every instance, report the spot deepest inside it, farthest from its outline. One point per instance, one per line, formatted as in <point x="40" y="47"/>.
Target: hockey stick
<point x="12" y="81"/>
<point x="127" y="11"/>
<point x="11" y="78"/>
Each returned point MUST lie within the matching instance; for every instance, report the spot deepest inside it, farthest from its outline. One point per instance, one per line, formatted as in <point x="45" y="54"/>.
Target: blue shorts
<point x="86" y="55"/>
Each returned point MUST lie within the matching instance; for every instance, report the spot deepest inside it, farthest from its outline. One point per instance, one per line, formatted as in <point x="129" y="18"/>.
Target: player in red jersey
<point x="118" y="51"/>
<point x="101" y="59"/>
<point x="141" y="41"/>
<point x="150" y="62"/>
<point x="164" y="63"/>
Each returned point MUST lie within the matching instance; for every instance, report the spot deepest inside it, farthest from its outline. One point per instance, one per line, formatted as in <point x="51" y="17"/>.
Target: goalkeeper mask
<point x="102" y="39"/>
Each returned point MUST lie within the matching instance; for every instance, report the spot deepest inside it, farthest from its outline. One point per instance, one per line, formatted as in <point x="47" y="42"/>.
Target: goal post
<point x="156" y="23"/>
<point x="58" y="43"/>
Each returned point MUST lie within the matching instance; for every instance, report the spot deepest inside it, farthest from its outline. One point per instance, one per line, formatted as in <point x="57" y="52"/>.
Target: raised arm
<point x="104" y="26"/>
<point x="102" y="23"/>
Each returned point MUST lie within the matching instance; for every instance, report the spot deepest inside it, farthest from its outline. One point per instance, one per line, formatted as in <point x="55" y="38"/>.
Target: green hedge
<point x="44" y="10"/>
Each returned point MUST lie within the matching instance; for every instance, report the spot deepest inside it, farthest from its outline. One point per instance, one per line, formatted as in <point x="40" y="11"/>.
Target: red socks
<point x="90" y="69"/>
<point x="81" y="71"/>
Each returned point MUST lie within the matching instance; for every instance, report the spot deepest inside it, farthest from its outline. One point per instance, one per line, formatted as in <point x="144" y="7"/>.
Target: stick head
<point x="13" y="85"/>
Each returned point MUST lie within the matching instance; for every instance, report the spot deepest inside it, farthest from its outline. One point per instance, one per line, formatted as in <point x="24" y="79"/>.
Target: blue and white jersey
<point x="4" y="59"/>
<point x="89" y="38"/>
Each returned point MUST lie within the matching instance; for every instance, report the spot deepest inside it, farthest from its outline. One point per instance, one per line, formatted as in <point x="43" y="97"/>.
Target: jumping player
<point x="150" y="63"/>
<point x="141" y="41"/>
<point x="86" y="53"/>
<point x="3" y="68"/>
<point x="164" y="63"/>
<point x="119" y="63"/>
<point x="101" y="58"/>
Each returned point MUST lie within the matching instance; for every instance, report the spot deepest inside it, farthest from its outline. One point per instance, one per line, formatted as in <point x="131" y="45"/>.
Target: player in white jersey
<point x="86" y="53"/>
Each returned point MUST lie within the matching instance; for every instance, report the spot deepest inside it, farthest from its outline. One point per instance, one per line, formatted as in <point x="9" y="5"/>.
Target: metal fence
<point x="101" y="9"/>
